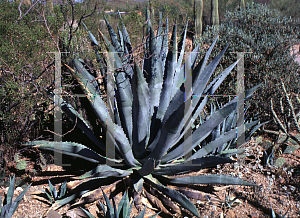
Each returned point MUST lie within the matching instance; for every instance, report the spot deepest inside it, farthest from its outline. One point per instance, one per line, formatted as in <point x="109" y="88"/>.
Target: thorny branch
<point x="49" y="31"/>
<point x="27" y="10"/>
<point x="66" y="132"/>
<point x="18" y="102"/>
<point x="71" y="32"/>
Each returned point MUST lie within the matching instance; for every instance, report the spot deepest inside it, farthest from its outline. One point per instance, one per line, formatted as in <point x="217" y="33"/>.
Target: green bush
<point x="268" y="35"/>
<point x="23" y="58"/>
<point x="285" y="7"/>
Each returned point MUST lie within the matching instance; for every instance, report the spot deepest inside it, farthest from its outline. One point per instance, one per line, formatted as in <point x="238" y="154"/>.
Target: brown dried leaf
<point x="137" y="200"/>
<point x="94" y="195"/>
<point x="193" y="194"/>
<point x="149" y="215"/>
<point x="154" y="201"/>
<point x="73" y="184"/>
<point x="90" y="197"/>
<point x="197" y="195"/>
<point x="146" y="203"/>
<point x="166" y="201"/>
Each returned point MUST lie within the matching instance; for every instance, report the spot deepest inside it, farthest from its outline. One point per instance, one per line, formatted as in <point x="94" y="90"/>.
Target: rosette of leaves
<point x="10" y="206"/>
<point x="52" y="194"/>
<point x="123" y="210"/>
<point x="148" y="123"/>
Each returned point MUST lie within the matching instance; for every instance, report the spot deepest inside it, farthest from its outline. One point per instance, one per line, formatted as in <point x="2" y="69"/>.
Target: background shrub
<point x="24" y="65"/>
<point x="268" y="35"/>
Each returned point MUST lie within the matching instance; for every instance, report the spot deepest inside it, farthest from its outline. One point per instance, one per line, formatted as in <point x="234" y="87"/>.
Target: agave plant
<point x="123" y="210"/>
<point x="149" y="125"/>
<point x="11" y="206"/>
<point x="228" y="148"/>
<point x="54" y="195"/>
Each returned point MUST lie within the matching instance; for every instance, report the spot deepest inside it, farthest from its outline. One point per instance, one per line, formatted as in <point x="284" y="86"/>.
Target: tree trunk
<point x="198" y="13"/>
<point x="242" y="4"/>
<point x="214" y="13"/>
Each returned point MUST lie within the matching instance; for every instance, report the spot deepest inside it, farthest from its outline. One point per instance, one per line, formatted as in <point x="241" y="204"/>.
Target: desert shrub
<point x="268" y="35"/>
<point x="134" y="23"/>
<point x="23" y="62"/>
<point x="287" y="7"/>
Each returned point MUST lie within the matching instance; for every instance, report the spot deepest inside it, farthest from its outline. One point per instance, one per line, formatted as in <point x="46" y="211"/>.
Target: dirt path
<point x="277" y="189"/>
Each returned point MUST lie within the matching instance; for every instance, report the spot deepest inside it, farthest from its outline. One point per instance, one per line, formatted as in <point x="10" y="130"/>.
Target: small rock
<point x="19" y="189"/>
<point x="281" y="139"/>
<point x="76" y="213"/>
<point x="259" y="139"/>
<point x="53" y="214"/>
<point x="254" y="215"/>
<point x="289" y="149"/>
<point x="266" y="144"/>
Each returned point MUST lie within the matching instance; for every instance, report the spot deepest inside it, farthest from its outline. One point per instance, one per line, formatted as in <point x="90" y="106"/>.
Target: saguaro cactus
<point x="198" y="12"/>
<point x="214" y="12"/>
<point x="151" y="9"/>
<point x="49" y="7"/>
<point x="242" y="4"/>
